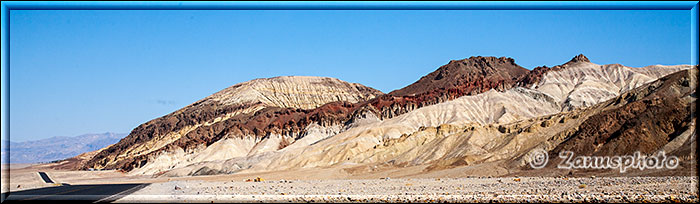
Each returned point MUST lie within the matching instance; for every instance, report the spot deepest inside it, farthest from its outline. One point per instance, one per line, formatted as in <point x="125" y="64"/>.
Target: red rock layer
<point x="458" y="78"/>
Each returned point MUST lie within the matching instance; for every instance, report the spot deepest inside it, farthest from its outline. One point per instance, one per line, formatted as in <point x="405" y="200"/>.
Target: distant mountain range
<point x="57" y="148"/>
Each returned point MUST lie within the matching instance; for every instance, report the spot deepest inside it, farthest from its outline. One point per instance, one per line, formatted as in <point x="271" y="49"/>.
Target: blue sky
<point x="82" y="71"/>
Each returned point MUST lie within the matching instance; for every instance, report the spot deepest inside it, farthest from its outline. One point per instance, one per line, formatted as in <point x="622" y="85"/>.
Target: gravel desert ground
<point x="336" y="185"/>
<point x="505" y="189"/>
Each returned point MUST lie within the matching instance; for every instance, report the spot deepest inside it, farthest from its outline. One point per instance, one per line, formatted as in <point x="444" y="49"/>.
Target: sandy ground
<point x="505" y="189"/>
<point x="25" y="177"/>
<point x="350" y="184"/>
<point x="20" y="177"/>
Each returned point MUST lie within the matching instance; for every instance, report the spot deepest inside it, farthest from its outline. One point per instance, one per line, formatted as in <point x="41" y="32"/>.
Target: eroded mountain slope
<point x="244" y="105"/>
<point x="485" y="115"/>
<point x="500" y="71"/>
<point x="657" y="116"/>
<point x="246" y="111"/>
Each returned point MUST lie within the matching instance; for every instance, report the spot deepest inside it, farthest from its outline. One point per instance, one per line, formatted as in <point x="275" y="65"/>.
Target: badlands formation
<point x="241" y="111"/>
<point x="475" y="112"/>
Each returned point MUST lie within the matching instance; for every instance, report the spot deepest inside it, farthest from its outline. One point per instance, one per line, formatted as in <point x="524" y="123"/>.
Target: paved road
<point x="45" y="177"/>
<point x="88" y="193"/>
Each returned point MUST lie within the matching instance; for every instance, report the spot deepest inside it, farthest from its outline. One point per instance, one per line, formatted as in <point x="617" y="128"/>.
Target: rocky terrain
<point x="58" y="148"/>
<point x="507" y="189"/>
<point x="249" y="111"/>
<point x="331" y="185"/>
<point x="655" y="117"/>
<point x="489" y="127"/>
<point x="478" y="110"/>
<point x="480" y="72"/>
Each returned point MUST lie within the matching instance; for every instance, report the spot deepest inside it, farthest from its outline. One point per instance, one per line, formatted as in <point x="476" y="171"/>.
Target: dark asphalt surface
<point x="86" y="193"/>
<point x="45" y="177"/>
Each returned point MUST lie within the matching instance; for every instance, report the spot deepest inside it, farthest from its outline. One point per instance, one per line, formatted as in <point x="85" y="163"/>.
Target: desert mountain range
<point x="57" y="148"/>
<point x="469" y="112"/>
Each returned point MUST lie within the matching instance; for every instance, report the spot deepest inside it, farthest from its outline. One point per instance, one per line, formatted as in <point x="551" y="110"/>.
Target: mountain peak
<point x="482" y="61"/>
<point x="485" y="70"/>
<point x="579" y="58"/>
<point x="305" y="92"/>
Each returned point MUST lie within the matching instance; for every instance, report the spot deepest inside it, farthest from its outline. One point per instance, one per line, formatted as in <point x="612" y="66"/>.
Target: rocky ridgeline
<point x="262" y="102"/>
<point x="279" y="111"/>
<point x="258" y="107"/>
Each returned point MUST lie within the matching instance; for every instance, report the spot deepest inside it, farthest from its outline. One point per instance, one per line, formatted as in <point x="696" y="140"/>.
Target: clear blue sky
<point x="76" y="72"/>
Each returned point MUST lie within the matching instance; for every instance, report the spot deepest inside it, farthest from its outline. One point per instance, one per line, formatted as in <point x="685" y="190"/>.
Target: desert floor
<point x="505" y="189"/>
<point x="462" y="184"/>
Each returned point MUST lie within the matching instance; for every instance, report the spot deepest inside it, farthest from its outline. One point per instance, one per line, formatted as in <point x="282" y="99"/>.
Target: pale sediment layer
<point x="236" y="109"/>
<point x="304" y="92"/>
<point x="501" y="118"/>
<point x="486" y="127"/>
